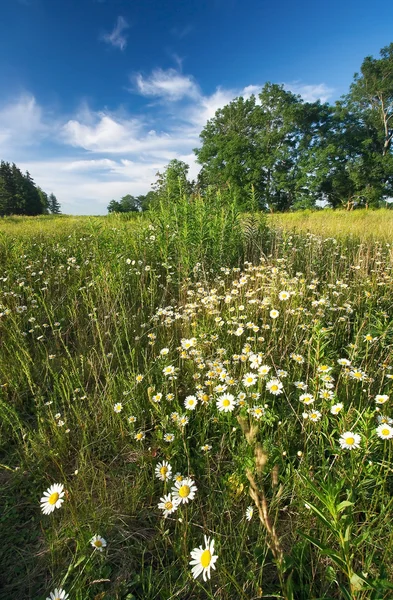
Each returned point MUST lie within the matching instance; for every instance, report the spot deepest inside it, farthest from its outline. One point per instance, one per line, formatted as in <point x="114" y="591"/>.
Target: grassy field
<point x="185" y="374"/>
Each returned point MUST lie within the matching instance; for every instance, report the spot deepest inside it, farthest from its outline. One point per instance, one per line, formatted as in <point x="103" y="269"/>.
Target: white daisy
<point x="284" y="295"/>
<point x="314" y="416"/>
<point x="385" y="431"/>
<point x="163" y="470"/>
<point x="307" y="398"/>
<point x="274" y="313"/>
<point x="168" y="504"/>
<point x="249" y="379"/>
<point x="249" y="513"/>
<point x="336" y="408"/>
<point x="190" y="402"/>
<point x="203" y="559"/>
<point x="58" y="594"/>
<point x="381" y="398"/>
<point x="274" y="386"/>
<point x="184" y="490"/>
<point x="226" y="403"/>
<point x="349" y="440"/>
<point x="98" y="542"/>
<point x="118" y="407"/>
<point x="52" y="498"/>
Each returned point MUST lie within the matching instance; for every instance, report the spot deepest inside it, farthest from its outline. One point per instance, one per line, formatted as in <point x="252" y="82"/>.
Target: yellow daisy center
<point x="205" y="558"/>
<point x="350" y="441"/>
<point x="168" y="505"/>
<point x="274" y="388"/>
<point x="53" y="498"/>
<point x="164" y="471"/>
<point x="184" y="491"/>
<point x="225" y="402"/>
<point x="385" y="431"/>
<point x="98" y="544"/>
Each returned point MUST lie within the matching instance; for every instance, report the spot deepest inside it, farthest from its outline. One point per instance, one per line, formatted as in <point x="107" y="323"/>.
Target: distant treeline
<point x="290" y="154"/>
<point x="19" y="195"/>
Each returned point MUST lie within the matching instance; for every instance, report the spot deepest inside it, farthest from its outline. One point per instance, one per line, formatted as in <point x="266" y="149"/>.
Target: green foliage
<point x="20" y="196"/>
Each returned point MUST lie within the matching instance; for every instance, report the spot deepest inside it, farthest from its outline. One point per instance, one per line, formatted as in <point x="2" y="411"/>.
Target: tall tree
<point x="54" y="205"/>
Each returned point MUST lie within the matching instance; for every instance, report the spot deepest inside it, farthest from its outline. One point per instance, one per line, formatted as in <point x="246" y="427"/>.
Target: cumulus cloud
<point x="311" y="93"/>
<point x="117" y="38"/>
<point x="105" y="154"/>
<point x="169" y="84"/>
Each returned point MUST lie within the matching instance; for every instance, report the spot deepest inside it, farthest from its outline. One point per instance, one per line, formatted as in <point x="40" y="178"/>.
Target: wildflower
<point x="170" y="397"/>
<point x="344" y="362"/>
<point x="300" y="385"/>
<point x="187" y="344"/>
<point x="326" y="394"/>
<point x="157" y="397"/>
<point x="118" y="407"/>
<point x="58" y="594"/>
<point x="139" y="378"/>
<point x="384" y="419"/>
<point x="349" y="440"/>
<point x="169" y="437"/>
<point x="183" y="420"/>
<point x="169" y="370"/>
<point x="131" y="419"/>
<point x="385" y="432"/>
<point x="139" y="436"/>
<point x="168" y="504"/>
<point x="163" y="470"/>
<point x="226" y="403"/>
<point x="284" y="295"/>
<point x="52" y="498"/>
<point x="263" y="370"/>
<point x="249" y="379"/>
<point x="297" y="358"/>
<point x="206" y="448"/>
<point x="336" y="408"/>
<point x="324" y="369"/>
<point x="184" y="490"/>
<point x="190" y="402"/>
<point x="274" y="386"/>
<point x="315" y="416"/>
<point x="203" y="559"/>
<point x="274" y="313"/>
<point x="357" y="374"/>
<point x="249" y="513"/>
<point x="381" y="398"/>
<point x="98" y="542"/>
<point x="164" y="351"/>
<point x="257" y="412"/>
<point x="307" y="398"/>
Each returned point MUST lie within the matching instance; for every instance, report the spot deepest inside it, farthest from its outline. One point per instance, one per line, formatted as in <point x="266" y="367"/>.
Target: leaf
<point x="340" y="507"/>
<point x="336" y="558"/>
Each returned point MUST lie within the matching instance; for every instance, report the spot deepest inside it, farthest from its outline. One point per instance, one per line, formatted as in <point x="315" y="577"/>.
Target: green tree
<point x="262" y="143"/>
<point x="54" y="205"/>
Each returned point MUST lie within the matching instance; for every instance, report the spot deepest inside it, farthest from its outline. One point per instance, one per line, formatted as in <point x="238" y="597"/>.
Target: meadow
<point x="190" y="376"/>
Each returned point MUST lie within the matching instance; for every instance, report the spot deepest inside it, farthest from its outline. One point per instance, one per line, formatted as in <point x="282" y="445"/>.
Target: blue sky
<point x="96" y="96"/>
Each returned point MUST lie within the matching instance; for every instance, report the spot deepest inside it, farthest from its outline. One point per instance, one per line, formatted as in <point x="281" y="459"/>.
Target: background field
<point x="89" y="304"/>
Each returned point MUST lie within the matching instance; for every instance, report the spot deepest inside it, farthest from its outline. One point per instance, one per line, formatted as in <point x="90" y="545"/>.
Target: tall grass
<point x="92" y="312"/>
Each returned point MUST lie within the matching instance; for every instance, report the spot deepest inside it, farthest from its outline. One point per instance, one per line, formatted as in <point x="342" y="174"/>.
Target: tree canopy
<point x="19" y="195"/>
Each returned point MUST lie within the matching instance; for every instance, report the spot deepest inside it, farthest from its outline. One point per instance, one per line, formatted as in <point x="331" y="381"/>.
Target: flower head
<point x="349" y="440"/>
<point x="163" y="470"/>
<point x="249" y="513"/>
<point x="203" y="559"/>
<point x="184" y="490"/>
<point x="385" y="431"/>
<point x="226" y="403"/>
<point x="168" y="504"/>
<point x="52" y="498"/>
<point x="98" y="542"/>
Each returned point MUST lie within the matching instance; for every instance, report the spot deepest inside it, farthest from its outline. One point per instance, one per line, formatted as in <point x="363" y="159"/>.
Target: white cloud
<point x="103" y="155"/>
<point x="117" y="38"/>
<point x="170" y="85"/>
<point x="21" y="123"/>
<point x="311" y="93"/>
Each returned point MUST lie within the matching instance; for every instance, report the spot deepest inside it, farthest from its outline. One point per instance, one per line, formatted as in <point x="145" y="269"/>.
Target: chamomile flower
<point x="52" y="498"/>
<point x="263" y="370"/>
<point x="168" y="504"/>
<point x="206" y="448"/>
<point x="169" y="437"/>
<point x="274" y="386"/>
<point x="169" y="370"/>
<point x="381" y="398"/>
<point x="249" y="513"/>
<point x="98" y="542"/>
<point x="190" y="402"/>
<point x="307" y="398"/>
<point x="203" y="559"/>
<point x="226" y="403"/>
<point x="118" y="407"/>
<point x="58" y="594"/>
<point x="249" y="379"/>
<point x="139" y="378"/>
<point x="314" y="416"/>
<point x="385" y="431"/>
<point x="257" y="412"/>
<point x="284" y="295"/>
<point x="139" y="436"/>
<point x="131" y="419"/>
<point x="274" y="313"/>
<point x="336" y="408"/>
<point x="163" y="470"/>
<point x="349" y="440"/>
<point x="184" y="490"/>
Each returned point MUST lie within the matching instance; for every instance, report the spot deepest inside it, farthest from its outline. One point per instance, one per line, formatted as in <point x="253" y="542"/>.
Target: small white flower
<point x="349" y="440"/>
<point x="163" y="470"/>
<point x="249" y="513"/>
<point x="385" y="431"/>
<point x="52" y="498"/>
<point x="98" y="542"/>
<point x="203" y="559"/>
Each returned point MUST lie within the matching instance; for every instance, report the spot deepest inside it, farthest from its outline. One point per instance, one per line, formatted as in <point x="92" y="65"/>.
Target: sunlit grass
<point x="195" y="338"/>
